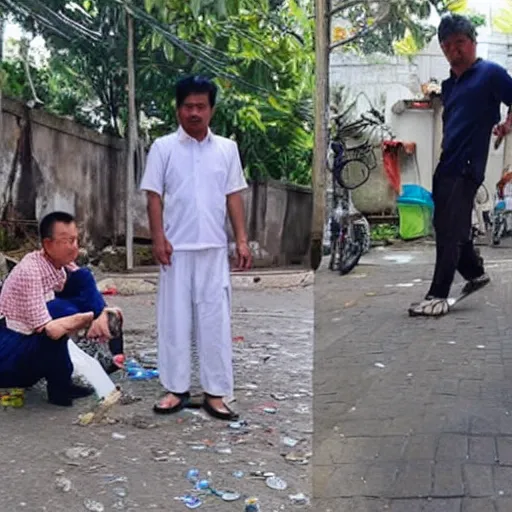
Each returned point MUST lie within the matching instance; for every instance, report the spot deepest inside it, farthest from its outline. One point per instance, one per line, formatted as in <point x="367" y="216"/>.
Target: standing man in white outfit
<point x="193" y="180"/>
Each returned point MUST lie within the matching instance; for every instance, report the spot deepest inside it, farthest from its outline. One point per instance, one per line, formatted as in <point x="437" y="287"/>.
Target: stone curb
<point x="145" y="283"/>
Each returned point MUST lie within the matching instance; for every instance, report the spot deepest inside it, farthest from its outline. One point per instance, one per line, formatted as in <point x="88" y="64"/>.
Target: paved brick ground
<point x="412" y="414"/>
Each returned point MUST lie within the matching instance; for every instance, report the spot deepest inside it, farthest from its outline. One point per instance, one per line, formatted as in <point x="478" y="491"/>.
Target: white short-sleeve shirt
<point x="194" y="178"/>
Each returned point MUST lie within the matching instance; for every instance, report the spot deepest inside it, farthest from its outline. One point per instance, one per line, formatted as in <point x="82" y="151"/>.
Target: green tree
<point x="266" y="80"/>
<point x="394" y="27"/>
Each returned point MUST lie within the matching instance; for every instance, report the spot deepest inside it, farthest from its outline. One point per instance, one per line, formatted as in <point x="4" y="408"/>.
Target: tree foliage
<point x="391" y="27"/>
<point x="259" y="53"/>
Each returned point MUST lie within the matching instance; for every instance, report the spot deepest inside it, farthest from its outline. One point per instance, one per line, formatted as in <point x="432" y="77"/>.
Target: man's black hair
<point x="455" y="24"/>
<point x="195" y="85"/>
<point x="46" y="225"/>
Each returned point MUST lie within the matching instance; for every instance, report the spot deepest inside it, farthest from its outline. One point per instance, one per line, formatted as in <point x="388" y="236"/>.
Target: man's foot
<point x="430" y="307"/>
<point x="476" y="284"/>
<point x="66" y="399"/>
<point x="171" y="403"/>
<point x="76" y="391"/>
<point x="60" y="400"/>
<point x="215" y="407"/>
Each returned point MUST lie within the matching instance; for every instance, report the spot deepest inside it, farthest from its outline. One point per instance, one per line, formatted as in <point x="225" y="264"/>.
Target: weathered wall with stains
<point x="51" y="163"/>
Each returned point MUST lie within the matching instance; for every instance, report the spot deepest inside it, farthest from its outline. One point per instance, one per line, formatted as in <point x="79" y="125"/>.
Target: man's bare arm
<point x="155" y="215"/>
<point x="162" y="248"/>
<point x="237" y="216"/>
<point x="236" y="213"/>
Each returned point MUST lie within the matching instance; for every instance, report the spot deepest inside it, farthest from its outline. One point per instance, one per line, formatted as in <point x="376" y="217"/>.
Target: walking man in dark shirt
<point x="472" y="97"/>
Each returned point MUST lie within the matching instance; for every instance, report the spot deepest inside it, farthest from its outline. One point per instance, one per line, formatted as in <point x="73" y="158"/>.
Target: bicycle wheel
<point x="350" y="254"/>
<point x="353" y="174"/>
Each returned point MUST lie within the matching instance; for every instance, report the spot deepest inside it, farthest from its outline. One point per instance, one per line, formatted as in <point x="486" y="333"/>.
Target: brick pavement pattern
<point x="412" y="414"/>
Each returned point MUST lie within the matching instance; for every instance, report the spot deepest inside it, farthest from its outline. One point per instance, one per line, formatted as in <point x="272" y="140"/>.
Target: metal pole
<point x="322" y="43"/>
<point x="132" y="135"/>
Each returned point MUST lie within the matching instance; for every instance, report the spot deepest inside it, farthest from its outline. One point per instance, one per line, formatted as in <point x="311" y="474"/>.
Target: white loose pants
<point x="194" y="298"/>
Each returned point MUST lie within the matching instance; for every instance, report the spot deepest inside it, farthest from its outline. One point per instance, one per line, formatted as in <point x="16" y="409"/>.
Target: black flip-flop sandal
<point x="215" y="413"/>
<point x="183" y="400"/>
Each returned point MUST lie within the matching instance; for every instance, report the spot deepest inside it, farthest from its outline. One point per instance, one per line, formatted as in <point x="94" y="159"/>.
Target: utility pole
<point x="322" y="52"/>
<point x="132" y="141"/>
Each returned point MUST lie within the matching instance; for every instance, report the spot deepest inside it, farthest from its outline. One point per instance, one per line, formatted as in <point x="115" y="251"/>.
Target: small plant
<point x="384" y="232"/>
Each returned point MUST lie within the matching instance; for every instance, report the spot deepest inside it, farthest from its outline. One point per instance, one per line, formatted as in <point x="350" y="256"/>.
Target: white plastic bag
<point x="91" y="370"/>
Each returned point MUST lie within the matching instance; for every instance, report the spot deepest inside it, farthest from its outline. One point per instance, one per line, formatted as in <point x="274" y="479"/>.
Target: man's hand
<point x="99" y="329"/>
<point x="244" y="256"/>
<point x="503" y="129"/>
<point x="162" y="250"/>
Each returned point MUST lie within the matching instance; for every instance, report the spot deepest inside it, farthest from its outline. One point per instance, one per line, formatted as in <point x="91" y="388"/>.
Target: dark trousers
<point x="453" y="205"/>
<point x="24" y="360"/>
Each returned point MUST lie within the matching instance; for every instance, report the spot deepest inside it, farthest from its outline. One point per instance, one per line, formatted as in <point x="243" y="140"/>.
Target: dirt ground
<point x="139" y="461"/>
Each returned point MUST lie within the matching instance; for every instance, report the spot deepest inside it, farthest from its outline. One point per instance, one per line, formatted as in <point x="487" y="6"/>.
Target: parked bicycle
<point x="349" y="230"/>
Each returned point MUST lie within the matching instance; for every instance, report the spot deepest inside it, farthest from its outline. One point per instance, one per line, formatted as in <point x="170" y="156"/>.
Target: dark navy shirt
<point x="471" y="109"/>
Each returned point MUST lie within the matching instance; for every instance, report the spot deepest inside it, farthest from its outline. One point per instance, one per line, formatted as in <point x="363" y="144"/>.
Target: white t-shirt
<point x="193" y="178"/>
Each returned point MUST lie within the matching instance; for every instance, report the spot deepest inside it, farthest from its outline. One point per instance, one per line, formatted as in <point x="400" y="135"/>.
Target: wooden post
<point x="132" y="140"/>
<point x="322" y="43"/>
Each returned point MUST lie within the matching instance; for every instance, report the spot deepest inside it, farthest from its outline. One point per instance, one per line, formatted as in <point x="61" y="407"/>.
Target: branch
<point x="365" y="31"/>
<point x="353" y="3"/>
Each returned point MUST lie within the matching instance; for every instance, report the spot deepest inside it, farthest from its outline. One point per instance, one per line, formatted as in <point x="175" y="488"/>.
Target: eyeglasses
<point x="66" y="240"/>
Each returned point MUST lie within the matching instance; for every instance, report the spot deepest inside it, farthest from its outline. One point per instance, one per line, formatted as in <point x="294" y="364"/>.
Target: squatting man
<point x="194" y="180"/>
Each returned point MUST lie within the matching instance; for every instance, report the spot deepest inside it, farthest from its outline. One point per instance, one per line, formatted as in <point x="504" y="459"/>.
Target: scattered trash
<point x="230" y="496"/>
<point x="276" y="483"/>
<point x="480" y="347"/>
<point x="252" y="505"/>
<point x="224" y="450"/>
<point x="262" y="474"/>
<point x="135" y="371"/>
<point x="270" y="410"/>
<point x="94" y="506"/>
<point x="63" y="484"/>
<point x="237" y="425"/>
<point x="112" y="479"/>
<point x="14" y="397"/>
<point x="238" y="339"/>
<point x="379" y="365"/>
<point x="193" y="475"/>
<point x="118" y="436"/>
<point x="73" y="455"/>
<point x="299" y="499"/>
<point x="191" y="501"/>
<point x="110" y="291"/>
<point x="350" y="303"/>
<point x="128" y="398"/>
<point x="121" y="492"/>
<point x="279" y="396"/>
<point x="301" y="458"/>
<point x="289" y="441"/>
<point x="452" y="343"/>
<point x="238" y="474"/>
<point x="202" y="485"/>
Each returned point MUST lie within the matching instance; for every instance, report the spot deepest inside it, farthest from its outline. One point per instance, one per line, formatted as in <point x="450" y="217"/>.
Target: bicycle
<point x="349" y="230"/>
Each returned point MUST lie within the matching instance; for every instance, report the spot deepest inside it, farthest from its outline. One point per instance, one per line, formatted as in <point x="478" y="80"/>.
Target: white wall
<point x="387" y="80"/>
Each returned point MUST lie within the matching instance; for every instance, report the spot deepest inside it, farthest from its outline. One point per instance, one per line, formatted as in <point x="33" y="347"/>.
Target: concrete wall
<point x="278" y="218"/>
<point x="52" y="163"/>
